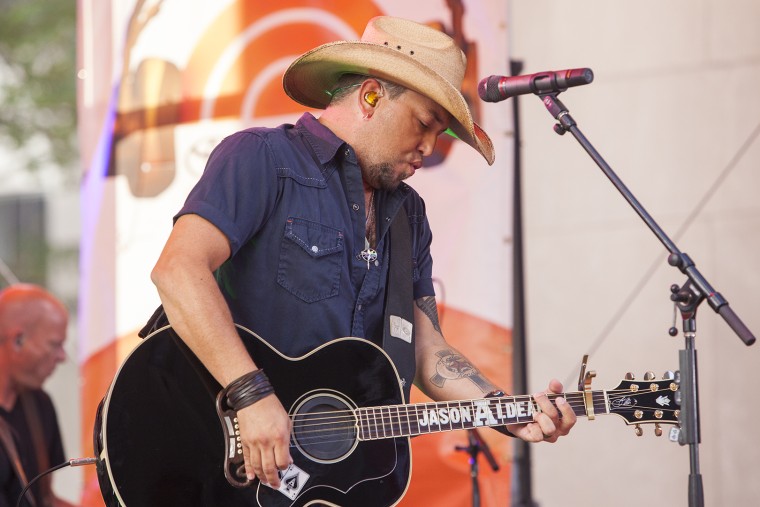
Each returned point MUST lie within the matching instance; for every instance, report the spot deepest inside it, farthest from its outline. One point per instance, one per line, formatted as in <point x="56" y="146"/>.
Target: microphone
<point x="498" y="88"/>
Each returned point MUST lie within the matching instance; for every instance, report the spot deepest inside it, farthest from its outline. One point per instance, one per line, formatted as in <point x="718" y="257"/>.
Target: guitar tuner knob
<point x="657" y="430"/>
<point x="649" y="375"/>
<point x="668" y="375"/>
<point x="638" y="430"/>
<point x="630" y="376"/>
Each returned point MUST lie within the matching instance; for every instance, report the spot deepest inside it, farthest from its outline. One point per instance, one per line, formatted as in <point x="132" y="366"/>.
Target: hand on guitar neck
<point x="553" y="419"/>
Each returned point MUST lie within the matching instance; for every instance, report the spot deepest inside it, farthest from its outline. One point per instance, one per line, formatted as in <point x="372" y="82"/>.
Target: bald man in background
<point x="32" y="333"/>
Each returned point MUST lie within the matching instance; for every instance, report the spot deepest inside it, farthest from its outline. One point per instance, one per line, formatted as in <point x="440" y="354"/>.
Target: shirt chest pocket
<point x="310" y="260"/>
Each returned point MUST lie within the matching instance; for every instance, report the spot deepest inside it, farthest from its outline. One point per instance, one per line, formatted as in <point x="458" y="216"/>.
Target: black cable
<point x="72" y="462"/>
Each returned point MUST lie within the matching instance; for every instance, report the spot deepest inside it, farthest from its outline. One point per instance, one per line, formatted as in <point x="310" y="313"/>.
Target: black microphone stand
<point x="687" y="298"/>
<point x="475" y="446"/>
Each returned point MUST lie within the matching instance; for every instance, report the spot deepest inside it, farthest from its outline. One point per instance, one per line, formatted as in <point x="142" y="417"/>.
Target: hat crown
<point x="407" y="53"/>
<point x="430" y="47"/>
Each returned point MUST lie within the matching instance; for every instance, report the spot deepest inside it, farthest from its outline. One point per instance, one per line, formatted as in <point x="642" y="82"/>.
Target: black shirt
<point x="10" y="487"/>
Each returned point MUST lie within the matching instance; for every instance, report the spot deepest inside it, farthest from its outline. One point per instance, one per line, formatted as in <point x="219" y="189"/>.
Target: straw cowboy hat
<point x="413" y="55"/>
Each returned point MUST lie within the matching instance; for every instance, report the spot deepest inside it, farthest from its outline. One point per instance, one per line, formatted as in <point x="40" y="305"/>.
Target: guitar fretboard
<point x="422" y="418"/>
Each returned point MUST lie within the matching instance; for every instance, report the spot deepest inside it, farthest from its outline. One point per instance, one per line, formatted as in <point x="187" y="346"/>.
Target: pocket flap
<point x="316" y="239"/>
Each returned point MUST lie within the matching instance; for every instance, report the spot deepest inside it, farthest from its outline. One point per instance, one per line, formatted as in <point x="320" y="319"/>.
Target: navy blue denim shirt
<point x="290" y="200"/>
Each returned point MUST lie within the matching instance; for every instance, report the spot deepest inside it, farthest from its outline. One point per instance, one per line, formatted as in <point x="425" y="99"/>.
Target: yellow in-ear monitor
<point x="371" y="98"/>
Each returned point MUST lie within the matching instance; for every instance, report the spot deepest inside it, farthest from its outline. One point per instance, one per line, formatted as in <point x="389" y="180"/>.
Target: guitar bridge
<point x="234" y="463"/>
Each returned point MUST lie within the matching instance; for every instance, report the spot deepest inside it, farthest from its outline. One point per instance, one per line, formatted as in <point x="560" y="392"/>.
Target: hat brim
<point x="311" y="78"/>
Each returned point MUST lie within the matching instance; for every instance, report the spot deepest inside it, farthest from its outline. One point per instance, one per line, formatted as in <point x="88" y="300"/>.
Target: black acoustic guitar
<point x="164" y="439"/>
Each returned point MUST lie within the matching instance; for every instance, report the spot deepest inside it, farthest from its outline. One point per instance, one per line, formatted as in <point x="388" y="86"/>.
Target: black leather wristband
<point x="248" y="389"/>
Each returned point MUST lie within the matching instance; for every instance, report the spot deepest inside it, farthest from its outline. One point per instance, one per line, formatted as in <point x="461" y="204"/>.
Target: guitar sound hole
<point x="324" y="428"/>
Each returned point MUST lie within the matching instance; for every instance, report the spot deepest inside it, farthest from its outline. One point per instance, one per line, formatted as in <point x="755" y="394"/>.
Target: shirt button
<point x="359" y="307"/>
<point x="387" y="219"/>
<point x="355" y="207"/>
<point x="315" y="249"/>
<point x="347" y="152"/>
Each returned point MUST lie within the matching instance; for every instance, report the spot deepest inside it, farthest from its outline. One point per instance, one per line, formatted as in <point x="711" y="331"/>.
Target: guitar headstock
<point x="648" y="401"/>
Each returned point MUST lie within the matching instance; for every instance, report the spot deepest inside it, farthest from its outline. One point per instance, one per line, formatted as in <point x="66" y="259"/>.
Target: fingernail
<point x="560" y="401"/>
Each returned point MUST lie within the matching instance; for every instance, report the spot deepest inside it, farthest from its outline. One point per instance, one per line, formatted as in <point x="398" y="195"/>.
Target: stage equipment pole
<point x="521" y="483"/>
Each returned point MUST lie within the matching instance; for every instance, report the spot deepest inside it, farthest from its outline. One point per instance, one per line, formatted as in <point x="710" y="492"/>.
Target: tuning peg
<point x="630" y="376"/>
<point x="657" y="430"/>
<point x="649" y="375"/>
<point x="668" y="375"/>
<point x="638" y="430"/>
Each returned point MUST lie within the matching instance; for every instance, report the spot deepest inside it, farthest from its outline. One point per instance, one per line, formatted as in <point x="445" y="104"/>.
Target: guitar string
<point x="572" y="399"/>
<point x="384" y="431"/>
<point x="575" y="404"/>
<point x="317" y="438"/>
<point x="382" y="425"/>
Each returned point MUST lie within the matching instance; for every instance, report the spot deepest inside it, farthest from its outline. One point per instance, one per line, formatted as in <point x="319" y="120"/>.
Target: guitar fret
<point x="376" y="433"/>
<point x="600" y="402"/>
<point x="408" y="420"/>
<point x="458" y="408"/>
<point x="360" y="417"/>
<point x="527" y="415"/>
<point x="367" y="431"/>
<point x="390" y="421"/>
<point x="413" y="420"/>
<point x="425" y="414"/>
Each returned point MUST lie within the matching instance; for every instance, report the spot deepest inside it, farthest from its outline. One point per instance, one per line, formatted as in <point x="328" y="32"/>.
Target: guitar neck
<point x="422" y="418"/>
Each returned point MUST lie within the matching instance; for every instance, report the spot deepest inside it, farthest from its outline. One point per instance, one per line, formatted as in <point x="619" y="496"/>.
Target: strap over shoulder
<point x="155" y="322"/>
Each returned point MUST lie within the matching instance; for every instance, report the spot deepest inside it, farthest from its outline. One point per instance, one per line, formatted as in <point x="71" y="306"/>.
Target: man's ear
<point x="369" y="94"/>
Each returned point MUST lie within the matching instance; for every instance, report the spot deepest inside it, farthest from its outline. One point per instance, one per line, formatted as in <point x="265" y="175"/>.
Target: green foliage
<point x="38" y="80"/>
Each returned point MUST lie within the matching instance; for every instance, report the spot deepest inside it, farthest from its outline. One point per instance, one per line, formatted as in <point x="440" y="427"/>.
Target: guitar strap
<point x="155" y="322"/>
<point x="6" y="443"/>
<point x="32" y="413"/>
<point x="398" y="329"/>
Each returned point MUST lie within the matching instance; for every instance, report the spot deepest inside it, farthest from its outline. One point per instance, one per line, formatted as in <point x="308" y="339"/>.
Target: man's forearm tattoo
<point x="452" y="365"/>
<point x="429" y="308"/>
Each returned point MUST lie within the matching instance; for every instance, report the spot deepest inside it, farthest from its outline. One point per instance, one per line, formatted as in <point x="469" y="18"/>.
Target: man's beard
<point x="381" y="177"/>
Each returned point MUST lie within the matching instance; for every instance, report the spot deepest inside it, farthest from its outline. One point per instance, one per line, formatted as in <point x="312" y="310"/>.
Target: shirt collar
<point x="322" y="140"/>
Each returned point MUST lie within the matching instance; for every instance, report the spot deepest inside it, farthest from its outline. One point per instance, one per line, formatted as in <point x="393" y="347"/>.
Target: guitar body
<point x="161" y="440"/>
